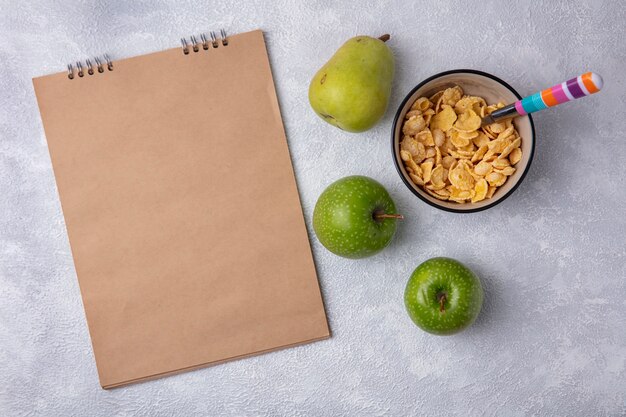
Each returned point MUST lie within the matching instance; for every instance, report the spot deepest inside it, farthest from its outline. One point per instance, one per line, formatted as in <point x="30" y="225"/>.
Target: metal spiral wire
<point x="100" y="64"/>
<point x="194" y="45"/>
<point x="89" y="67"/>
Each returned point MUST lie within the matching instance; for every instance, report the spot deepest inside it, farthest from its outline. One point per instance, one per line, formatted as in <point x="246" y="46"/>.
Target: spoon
<point x="581" y="86"/>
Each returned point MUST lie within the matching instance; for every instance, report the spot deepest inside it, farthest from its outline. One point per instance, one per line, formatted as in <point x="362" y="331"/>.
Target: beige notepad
<point x="181" y="208"/>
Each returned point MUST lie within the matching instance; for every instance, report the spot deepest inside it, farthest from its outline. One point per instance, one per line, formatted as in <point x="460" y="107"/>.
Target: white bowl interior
<point x="493" y="92"/>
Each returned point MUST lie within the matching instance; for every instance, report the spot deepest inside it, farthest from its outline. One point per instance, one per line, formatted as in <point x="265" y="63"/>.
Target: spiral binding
<point x="193" y="42"/>
<point x="206" y="43"/>
<point x="89" y="65"/>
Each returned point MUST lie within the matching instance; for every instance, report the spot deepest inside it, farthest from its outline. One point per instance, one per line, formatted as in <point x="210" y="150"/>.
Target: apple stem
<point x="385" y="37"/>
<point x="442" y="303"/>
<point x="381" y="216"/>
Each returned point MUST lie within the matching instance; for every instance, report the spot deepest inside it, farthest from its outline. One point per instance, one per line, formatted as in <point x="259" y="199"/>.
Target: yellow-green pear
<point x="352" y="89"/>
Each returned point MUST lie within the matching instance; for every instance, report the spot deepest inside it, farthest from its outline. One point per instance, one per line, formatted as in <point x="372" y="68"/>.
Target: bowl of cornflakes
<point x="444" y="155"/>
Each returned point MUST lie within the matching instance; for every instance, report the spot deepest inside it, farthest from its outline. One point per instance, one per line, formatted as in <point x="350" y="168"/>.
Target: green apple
<point x="355" y="217"/>
<point x="443" y="296"/>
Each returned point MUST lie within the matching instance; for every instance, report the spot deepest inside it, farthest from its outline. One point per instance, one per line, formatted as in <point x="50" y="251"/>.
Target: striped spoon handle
<point x="581" y="86"/>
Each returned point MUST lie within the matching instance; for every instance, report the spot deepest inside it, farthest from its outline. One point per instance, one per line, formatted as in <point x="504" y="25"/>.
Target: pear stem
<point x="385" y="37"/>
<point x="442" y="302"/>
<point x="381" y="216"/>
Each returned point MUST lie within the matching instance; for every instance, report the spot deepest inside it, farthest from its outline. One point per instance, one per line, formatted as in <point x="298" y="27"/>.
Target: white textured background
<point x="551" y="339"/>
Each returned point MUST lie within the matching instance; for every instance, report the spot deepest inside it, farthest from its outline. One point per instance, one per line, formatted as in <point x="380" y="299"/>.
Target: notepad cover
<point x="182" y="210"/>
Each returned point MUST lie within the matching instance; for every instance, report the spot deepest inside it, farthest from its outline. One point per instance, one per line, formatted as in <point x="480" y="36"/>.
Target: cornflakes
<point x="468" y="121"/>
<point x="414" y="125"/>
<point x="515" y="156"/>
<point x="448" y="154"/>
<point x="443" y="120"/>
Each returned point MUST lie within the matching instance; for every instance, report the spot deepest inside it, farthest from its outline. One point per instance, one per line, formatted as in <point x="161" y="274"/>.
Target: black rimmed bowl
<point x="493" y="90"/>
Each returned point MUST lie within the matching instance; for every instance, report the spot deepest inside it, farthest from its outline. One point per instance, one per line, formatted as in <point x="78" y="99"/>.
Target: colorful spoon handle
<point x="581" y="86"/>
